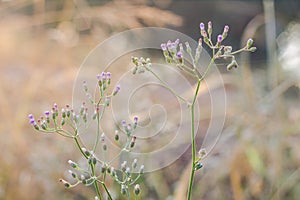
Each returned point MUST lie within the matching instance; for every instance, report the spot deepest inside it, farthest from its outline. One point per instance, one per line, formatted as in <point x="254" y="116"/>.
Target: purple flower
<point x="30" y="116"/>
<point x="202" y="26"/>
<point x="117" y="89"/>
<point x="226" y="29"/>
<point x="209" y="24"/>
<point x="32" y="121"/>
<point x="176" y="41"/>
<point x="135" y="119"/>
<point x="124" y="123"/>
<point x="47" y="113"/>
<point x="169" y="44"/>
<point x="108" y="75"/>
<point x="163" y="47"/>
<point x="98" y="77"/>
<point x="103" y="75"/>
<point x="179" y="54"/>
<point x="220" y="38"/>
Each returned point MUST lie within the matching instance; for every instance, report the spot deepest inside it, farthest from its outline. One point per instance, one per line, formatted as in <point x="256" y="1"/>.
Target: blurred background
<point x="43" y="43"/>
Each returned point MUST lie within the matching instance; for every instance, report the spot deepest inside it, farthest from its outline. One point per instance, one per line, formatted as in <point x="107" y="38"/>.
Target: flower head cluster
<point x="141" y="64"/>
<point x="171" y="52"/>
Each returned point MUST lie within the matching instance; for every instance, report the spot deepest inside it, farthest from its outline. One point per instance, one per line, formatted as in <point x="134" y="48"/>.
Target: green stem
<point x="193" y="141"/>
<point x="105" y="188"/>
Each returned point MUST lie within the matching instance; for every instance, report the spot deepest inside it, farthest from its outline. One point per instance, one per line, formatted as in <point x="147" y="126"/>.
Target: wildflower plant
<point x="176" y="53"/>
<point x="68" y="123"/>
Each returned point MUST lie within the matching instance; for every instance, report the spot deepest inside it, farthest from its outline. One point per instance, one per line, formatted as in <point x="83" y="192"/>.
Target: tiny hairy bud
<point x="123" y="166"/>
<point x="103" y="168"/>
<point x="142" y="169"/>
<point x="73" y="174"/>
<point x="123" y="189"/>
<point x="252" y="49"/>
<point x="202" y="153"/>
<point x="86" y="152"/>
<point x="94" y="161"/>
<point x="233" y="64"/>
<point x="66" y="184"/>
<point x="198" y="166"/>
<point x="72" y="164"/>
<point x="137" y="189"/>
<point x="134" y="163"/>
<point x="249" y="43"/>
<point x="209" y="29"/>
<point x="117" y="137"/>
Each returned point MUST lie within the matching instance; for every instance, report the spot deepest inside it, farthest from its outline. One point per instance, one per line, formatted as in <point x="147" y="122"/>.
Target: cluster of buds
<point x="141" y="64"/>
<point x="171" y="52"/>
<point x="104" y="80"/>
<point x="128" y="129"/>
<point x="201" y="154"/>
<point x="207" y="35"/>
<point x="128" y="176"/>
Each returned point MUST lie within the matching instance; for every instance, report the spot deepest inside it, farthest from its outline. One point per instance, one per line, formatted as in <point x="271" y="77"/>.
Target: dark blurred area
<point x="44" y="42"/>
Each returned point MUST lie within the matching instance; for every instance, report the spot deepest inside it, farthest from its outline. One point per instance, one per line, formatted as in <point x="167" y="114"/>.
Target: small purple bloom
<point x="179" y="54"/>
<point x="108" y="75"/>
<point x="220" y="38"/>
<point x="163" y="46"/>
<point x="176" y="41"/>
<point x="169" y="44"/>
<point x="226" y="29"/>
<point x="124" y="123"/>
<point x="209" y="24"/>
<point x="103" y="75"/>
<point x="30" y="116"/>
<point x="32" y="121"/>
<point x="135" y="119"/>
<point x="98" y="77"/>
<point x="202" y="26"/>
<point x="47" y="113"/>
<point x="118" y="87"/>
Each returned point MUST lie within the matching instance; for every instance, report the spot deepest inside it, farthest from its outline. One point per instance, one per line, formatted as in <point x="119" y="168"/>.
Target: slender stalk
<point x="105" y="188"/>
<point x="193" y="141"/>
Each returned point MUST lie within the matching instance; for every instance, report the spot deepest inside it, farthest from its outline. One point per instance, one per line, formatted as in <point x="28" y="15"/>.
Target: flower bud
<point x="117" y="89"/>
<point x="142" y="169"/>
<point x="86" y="152"/>
<point x="94" y="161"/>
<point x="85" y="86"/>
<point x="202" y="153"/>
<point x="103" y="168"/>
<point x="73" y="174"/>
<point x="72" y="164"/>
<point x="66" y="184"/>
<point x="134" y="163"/>
<point x="137" y="189"/>
<point x="123" y="189"/>
<point x="123" y="166"/>
<point x="209" y="29"/>
<point x="117" y="137"/>
<point x="249" y="43"/>
<point x="132" y="143"/>
<point x="252" y="49"/>
<point x="198" y="166"/>
<point x="233" y="64"/>
<point x="188" y="48"/>
<point x="127" y="171"/>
